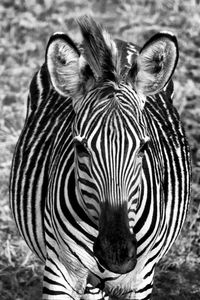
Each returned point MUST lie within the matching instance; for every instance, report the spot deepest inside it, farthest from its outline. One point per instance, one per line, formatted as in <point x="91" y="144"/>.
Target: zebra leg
<point x="93" y="293"/>
<point x="144" y="291"/>
<point x="60" y="283"/>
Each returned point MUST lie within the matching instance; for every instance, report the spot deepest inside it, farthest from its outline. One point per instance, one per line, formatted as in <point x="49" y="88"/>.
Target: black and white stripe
<point x="113" y="146"/>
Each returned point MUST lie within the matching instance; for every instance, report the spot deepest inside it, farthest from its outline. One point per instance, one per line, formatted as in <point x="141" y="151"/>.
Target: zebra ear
<point x="155" y="64"/>
<point x="62" y="60"/>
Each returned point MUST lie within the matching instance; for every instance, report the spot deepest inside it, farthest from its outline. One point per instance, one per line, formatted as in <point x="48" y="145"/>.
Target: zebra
<point x="100" y="178"/>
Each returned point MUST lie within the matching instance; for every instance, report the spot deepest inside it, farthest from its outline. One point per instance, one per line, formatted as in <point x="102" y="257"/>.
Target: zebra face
<point x="107" y="82"/>
<point x="110" y="139"/>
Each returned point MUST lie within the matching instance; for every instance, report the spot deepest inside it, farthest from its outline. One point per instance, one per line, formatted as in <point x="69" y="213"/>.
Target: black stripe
<point x="55" y="293"/>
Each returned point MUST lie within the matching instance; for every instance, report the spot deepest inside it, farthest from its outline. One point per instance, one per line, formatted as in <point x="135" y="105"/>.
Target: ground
<point x="25" y="26"/>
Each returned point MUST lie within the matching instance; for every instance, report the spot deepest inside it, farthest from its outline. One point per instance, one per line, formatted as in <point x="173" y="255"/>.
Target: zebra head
<point x="108" y="82"/>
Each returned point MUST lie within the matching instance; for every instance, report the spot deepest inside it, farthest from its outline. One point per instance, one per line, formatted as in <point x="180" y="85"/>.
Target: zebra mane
<point x="99" y="49"/>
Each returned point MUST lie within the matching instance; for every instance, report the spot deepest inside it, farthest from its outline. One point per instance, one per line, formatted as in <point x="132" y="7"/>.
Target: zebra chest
<point x="116" y="286"/>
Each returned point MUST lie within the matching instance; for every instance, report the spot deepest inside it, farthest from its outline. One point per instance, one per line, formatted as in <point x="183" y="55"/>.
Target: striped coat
<point x="100" y="179"/>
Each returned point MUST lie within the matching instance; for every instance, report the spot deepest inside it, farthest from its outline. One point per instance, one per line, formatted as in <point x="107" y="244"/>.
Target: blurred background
<point x="25" y="27"/>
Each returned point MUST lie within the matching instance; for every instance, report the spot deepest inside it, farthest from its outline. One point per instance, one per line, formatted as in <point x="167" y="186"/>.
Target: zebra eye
<point x="143" y="147"/>
<point x="81" y="148"/>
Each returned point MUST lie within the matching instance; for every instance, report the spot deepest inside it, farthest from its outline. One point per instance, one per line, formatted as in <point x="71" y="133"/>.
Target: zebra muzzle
<point x="115" y="247"/>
